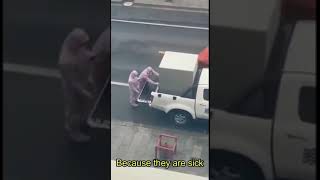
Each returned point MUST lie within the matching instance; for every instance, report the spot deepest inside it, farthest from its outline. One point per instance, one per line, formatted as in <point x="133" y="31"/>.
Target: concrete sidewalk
<point x="194" y="4"/>
<point x="132" y="141"/>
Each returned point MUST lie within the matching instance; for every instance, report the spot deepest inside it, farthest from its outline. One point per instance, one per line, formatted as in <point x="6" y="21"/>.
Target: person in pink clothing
<point x="134" y="90"/>
<point x="102" y="61"/>
<point x="74" y="64"/>
<point x="147" y="75"/>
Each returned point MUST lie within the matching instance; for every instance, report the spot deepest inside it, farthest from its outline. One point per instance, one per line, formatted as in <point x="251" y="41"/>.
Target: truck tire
<point x="234" y="167"/>
<point x="179" y="117"/>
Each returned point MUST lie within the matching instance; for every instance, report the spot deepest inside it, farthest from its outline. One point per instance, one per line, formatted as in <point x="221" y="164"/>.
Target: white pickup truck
<point x="192" y="104"/>
<point x="271" y="134"/>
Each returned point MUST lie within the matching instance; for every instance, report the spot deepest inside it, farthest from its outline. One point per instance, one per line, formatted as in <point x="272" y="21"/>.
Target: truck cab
<point x="181" y="106"/>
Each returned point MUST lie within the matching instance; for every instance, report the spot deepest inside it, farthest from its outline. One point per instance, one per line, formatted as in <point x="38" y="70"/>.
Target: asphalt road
<point x="135" y="46"/>
<point x="161" y="14"/>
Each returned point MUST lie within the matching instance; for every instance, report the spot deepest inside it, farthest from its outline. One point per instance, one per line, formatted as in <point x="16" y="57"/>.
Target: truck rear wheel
<point x="231" y="166"/>
<point x="179" y="117"/>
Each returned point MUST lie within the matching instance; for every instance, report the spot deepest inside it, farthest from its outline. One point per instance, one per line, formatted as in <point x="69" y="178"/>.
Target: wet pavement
<point x="134" y="141"/>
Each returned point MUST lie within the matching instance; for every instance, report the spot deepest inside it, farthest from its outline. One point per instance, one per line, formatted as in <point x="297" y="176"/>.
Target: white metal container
<point x="177" y="72"/>
<point x="243" y="34"/>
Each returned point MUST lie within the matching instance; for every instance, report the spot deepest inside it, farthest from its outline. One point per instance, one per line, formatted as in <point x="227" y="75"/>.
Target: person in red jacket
<point x="74" y="65"/>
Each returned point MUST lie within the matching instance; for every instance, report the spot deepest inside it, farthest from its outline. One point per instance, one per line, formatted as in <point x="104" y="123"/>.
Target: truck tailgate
<point x="100" y="113"/>
<point x="145" y="94"/>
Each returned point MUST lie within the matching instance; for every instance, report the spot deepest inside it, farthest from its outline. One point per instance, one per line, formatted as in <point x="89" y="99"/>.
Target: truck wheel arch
<point x="168" y="111"/>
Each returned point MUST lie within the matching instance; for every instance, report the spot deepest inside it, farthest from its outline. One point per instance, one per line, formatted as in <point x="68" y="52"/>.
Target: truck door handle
<point x="292" y="136"/>
<point x="203" y="105"/>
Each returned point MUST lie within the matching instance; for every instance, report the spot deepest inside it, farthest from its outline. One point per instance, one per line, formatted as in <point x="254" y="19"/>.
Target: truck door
<point x="295" y="128"/>
<point x="202" y="102"/>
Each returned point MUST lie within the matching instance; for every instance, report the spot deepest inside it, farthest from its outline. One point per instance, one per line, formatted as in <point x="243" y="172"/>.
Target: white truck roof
<point x="301" y="55"/>
<point x="179" y="61"/>
<point x="177" y="72"/>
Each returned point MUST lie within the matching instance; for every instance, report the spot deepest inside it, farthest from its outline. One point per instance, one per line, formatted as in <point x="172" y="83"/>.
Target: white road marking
<point x="160" y="24"/>
<point x="41" y="71"/>
<point x="119" y="83"/>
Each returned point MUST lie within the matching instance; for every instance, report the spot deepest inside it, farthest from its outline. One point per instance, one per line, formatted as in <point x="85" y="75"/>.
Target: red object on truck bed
<point x="203" y="57"/>
<point x="299" y="9"/>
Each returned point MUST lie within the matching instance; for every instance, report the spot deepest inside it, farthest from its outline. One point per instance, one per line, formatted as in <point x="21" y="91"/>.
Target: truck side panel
<point x="166" y="103"/>
<point x="294" y="131"/>
<point x="244" y="135"/>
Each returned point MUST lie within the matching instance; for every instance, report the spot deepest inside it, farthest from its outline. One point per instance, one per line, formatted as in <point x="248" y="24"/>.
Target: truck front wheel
<point x="180" y="117"/>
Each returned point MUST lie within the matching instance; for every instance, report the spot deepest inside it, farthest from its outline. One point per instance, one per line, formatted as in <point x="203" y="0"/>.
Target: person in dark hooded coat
<point x="101" y="69"/>
<point x="75" y="68"/>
